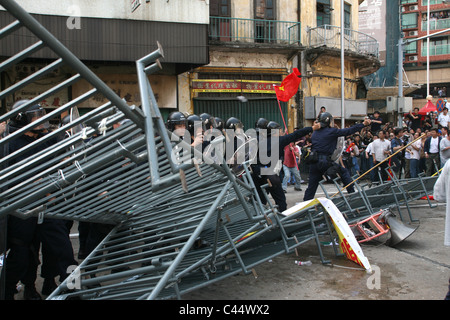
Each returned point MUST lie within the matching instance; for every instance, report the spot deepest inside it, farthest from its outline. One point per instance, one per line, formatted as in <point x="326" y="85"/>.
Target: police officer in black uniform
<point x="324" y="143"/>
<point x="25" y="236"/>
<point x="259" y="177"/>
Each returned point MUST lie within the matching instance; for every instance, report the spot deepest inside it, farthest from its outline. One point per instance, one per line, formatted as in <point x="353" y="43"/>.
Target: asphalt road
<point x="416" y="269"/>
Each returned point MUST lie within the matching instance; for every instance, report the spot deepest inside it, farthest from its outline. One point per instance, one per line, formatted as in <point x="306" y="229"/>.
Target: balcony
<point x="354" y="41"/>
<point x="436" y="50"/>
<point x="437" y="24"/>
<point x="254" y="31"/>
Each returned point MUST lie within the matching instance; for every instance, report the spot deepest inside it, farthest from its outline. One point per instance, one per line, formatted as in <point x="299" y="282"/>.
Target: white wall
<point x="191" y="11"/>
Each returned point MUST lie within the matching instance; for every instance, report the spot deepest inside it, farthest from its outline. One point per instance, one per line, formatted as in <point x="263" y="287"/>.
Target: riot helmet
<point x="176" y="118"/>
<point x="25" y="117"/>
<point x="194" y="122"/>
<point x="234" y="123"/>
<point x="325" y="119"/>
<point x="208" y="120"/>
<point x="261" y="123"/>
<point x="219" y="124"/>
<point x="272" y="125"/>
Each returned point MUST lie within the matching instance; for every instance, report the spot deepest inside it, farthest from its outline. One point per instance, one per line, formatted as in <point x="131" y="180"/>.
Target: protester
<point x="444" y="147"/>
<point x="444" y="118"/>
<point x="432" y="152"/>
<point x="415" y="118"/>
<point x="414" y="151"/>
<point x="376" y="123"/>
<point x="290" y="166"/>
<point x="381" y="150"/>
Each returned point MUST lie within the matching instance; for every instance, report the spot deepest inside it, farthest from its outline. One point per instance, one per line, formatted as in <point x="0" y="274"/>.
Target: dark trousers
<point x="57" y="250"/>
<point x="275" y="189"/>
<point x="316" y="172"/>
<point x="23" y="257"/>
<point x="430" y="163"/>
<point x="24" y="240"/>
<point x="381" y="171"/>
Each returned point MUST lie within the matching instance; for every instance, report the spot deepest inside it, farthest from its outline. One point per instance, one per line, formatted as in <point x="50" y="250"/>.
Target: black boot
<point x="30" y="293"/>
<point x="48" y="287"/>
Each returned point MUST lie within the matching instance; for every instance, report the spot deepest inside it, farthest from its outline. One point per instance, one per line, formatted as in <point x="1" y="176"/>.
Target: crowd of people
<point x="420" y="146"/>
<point x="427" y="141"/>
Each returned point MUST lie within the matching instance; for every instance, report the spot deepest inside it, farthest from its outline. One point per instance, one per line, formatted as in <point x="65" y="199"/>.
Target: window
<point x="409" y="20"/>
<point x="265" y="28"/>
<point x="323" y="8"/>
<point x="265" y="9"/>
<point x="411" y="47"/>
<point x="219" y="8"/>
<point x="347" y="15"/>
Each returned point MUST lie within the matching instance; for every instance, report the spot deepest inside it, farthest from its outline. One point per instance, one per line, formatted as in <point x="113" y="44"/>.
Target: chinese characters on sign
<point x="223" y="85"/>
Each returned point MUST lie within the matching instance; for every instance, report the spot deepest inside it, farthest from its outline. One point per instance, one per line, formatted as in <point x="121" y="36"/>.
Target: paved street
<point x="416" y="269"/>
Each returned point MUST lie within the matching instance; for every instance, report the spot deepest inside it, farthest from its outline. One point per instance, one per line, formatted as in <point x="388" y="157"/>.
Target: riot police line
<point x="235" y="146"/>
<point x="261" y="147"/>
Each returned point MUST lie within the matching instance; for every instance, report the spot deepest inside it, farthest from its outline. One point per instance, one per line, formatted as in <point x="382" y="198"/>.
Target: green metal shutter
<point x="248" y="112"/>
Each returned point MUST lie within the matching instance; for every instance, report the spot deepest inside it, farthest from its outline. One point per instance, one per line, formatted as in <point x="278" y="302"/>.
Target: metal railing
<point x="436" y="50"/>
<point x="436" y="24"/>
<point x="330" y="36"/>
<point x="173" y="227"/>
<point x="225" y="29"/>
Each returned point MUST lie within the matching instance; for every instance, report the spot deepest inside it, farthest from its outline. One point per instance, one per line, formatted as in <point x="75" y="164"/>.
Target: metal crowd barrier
<point x="170" y="228"/>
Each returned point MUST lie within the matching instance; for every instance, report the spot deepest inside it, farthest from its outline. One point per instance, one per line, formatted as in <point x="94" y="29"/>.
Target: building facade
<point x="415" y="24"/>
<point x="220" y="56"/>
<point x="254" y="44"/>
<point x="109" y="39"/>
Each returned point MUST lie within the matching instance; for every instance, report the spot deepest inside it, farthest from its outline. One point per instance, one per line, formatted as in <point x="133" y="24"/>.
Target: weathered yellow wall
<point x="287" y="10"/>
<point x="326" y="81"/>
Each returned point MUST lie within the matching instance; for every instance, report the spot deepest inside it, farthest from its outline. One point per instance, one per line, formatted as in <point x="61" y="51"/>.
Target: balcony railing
<point x="436" y="50"/>
<point x="436" y="24"/>
<point x="254" y="30"/>
<point x="330" y="36"/>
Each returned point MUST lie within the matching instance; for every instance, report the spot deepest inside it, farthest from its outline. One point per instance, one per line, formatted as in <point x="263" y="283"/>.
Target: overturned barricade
<point x="170" y="227"/>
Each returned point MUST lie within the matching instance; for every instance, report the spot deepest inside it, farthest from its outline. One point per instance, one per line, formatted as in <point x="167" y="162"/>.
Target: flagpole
<point x="282" y="116"/>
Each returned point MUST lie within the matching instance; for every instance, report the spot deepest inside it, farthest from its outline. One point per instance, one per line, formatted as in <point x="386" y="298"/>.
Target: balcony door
<point x="265" y="30"/>
<point x="220" y="24"/>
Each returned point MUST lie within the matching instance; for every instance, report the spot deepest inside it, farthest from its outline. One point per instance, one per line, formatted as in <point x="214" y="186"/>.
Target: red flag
<point x="289" y="86"/>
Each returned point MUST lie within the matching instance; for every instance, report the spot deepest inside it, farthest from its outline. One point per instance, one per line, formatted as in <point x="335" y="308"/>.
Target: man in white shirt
<point x="369" y="157"/>
<point x="432" y="154"/>
<point x="381" y="149"/>
<point x="444" y="118"/>
<point x="444" y="147"/>
<point x="414" y="151"/>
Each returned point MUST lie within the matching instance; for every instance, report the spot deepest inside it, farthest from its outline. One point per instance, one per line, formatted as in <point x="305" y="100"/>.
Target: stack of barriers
<point x="175" y="227"/>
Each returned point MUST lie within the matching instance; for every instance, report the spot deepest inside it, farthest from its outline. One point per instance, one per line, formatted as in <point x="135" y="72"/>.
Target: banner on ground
<point x="347" y="241"/>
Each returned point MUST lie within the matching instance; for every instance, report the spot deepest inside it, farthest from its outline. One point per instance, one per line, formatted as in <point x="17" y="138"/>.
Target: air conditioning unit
<point x="391" y="103"/>
<point x="403" y="9"/>
<point x="412" y="58"/>
<point x="412" y="8"/>
<point x="413" y="33"/>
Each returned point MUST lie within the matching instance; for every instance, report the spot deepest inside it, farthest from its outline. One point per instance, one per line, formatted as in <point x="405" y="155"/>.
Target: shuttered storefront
<point x="248" y="112"/>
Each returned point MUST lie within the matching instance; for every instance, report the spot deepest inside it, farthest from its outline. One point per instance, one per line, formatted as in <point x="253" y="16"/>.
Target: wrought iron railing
<point x="225" y="29"/>
<point x="330" y="36"/>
